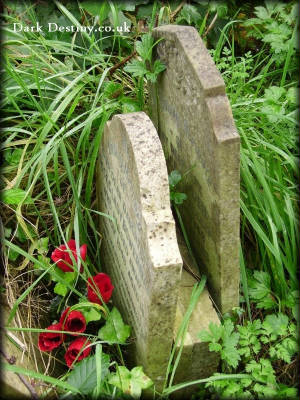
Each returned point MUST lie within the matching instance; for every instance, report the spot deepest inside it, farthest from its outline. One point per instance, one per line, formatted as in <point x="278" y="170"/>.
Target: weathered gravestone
<point x="140" y="249"/>
<point x="193" y="117"/>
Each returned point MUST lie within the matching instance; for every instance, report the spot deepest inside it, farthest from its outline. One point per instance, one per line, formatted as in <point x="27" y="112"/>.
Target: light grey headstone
<point x="191" y="112"/>
<point x="140" y="250"/>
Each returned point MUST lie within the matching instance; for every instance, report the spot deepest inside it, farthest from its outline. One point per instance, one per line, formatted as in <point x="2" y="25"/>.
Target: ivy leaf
<point x="114" y="330"/>
<point x="15" y="196"/>
<point x="130" y="382"/>
<point x="84" y="376"/>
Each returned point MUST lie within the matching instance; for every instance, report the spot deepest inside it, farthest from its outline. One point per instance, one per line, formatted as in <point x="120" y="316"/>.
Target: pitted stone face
<point x="194" y="121"/>
<point x="139" y="249"/>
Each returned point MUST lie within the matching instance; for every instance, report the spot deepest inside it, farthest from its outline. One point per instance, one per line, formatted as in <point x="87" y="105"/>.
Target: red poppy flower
<point x="73" y="321"/>
<point x="77" y="351"/>
<point x="50" y="340"/>
<point x="61" y="256"/>
<point x="104" y="285"/>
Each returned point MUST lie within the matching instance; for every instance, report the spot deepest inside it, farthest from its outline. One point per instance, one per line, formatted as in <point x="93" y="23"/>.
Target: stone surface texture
<point x="139" y="248"/>
<point x="196" y="361"/>
<point x="191" y="112"/>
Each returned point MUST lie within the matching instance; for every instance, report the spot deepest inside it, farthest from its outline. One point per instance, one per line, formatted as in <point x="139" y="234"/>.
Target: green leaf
<point x="96" y="8"/>
<point x="260" y="289"/>
<point x="130" y="382"/>
<point x="114" y="330"/>
<point x="177" y="197"/>
<point x="15" y="196"/>
<point x="174" y="178"/>
<point x="130" y="105"/>
<point x="274" y="93"/>
<point x="13" y="255"/>
<point x="276" y="324"/>
<point x="42" y="245"/>
<point x="144" y="47"/>
<point x="60" y="289"/>
<point x="14" y="156"/>
<point x="90" y="314"/>
<point x="136" y="68"/>
<point x="84" y="377"/>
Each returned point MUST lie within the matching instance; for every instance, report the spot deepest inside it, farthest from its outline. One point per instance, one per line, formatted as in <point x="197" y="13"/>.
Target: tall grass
<point x="269" y="161"/>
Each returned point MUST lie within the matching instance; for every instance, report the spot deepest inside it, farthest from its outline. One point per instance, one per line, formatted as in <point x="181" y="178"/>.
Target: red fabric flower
<point x="62" y="257"/>
<point x="77" y="348"/>
<point x="104" y="285"/>
<point x="50" y="340"/>
<point x="73" y="321"/>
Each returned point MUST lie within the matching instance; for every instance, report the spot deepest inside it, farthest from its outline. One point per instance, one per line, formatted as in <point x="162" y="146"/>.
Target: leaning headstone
<point x="140" y="249"/>
<point x="191" y="112"/>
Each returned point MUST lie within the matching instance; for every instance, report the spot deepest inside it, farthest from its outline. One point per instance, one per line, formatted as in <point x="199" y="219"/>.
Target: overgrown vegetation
<point x="59" y="89"/>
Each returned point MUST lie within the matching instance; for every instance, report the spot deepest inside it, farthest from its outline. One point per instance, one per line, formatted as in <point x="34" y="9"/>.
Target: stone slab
<point x="140" y="250"/>
<point x="196" y="361"/>
<point x="191" y="112"/>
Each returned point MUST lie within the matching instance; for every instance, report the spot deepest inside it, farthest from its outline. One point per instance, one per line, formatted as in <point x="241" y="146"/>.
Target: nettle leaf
<point x="130" y="382"/>
<point x="84" y="376"/>
<point x="136" y="68"/>
<point x="114" y="330"/>
<point x="174" y="178"/>
<point x="15" y="196"/>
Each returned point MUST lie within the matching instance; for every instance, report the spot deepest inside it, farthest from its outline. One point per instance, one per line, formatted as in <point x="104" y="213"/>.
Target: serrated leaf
<point x="144" y="47"/>
<point x="136" y="68"/>
<point x="84" y="376"/>
<point x="114" y="330"/>
<point x="15" y="196"/>
<point x="276" y="324"/>
<point x="130" y="382"/>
